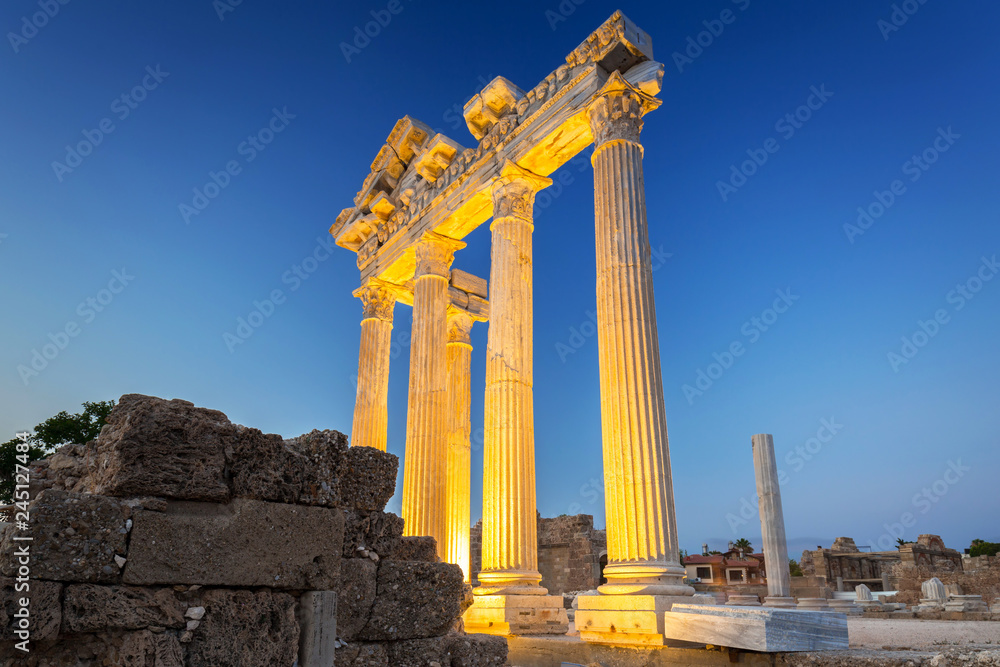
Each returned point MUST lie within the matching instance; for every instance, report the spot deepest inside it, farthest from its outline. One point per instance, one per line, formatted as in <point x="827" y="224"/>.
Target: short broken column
<point x="371" y="416"/>
<point x="459" y="445"/>
<point x="772" y="523"/>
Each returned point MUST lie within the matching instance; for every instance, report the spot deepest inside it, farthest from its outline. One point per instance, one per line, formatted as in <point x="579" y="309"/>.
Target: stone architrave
<point x="509" y="599"/>
<point x="459" y="445"/>
<point x="371" y="415"/>
<point x="426" y="458"/>
<point x="772" y="523"/>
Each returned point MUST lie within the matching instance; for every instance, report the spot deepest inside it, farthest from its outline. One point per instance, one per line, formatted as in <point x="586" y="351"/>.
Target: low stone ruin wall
<point x="983" y="581"/>
<point x="180" y="539"/>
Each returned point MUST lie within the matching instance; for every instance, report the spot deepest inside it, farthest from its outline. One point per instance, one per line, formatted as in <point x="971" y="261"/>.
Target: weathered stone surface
<point x="373" y="531"/>
<point x="244" y="543"/>
<point x="262" y="467"/>
<point x="158" y="649"/>
<point x="76" y="537"/>
<point x="151" y="446"/>
<point x="91" y="608"/>
<point x="361" y="654"/>
<point x="422" y="549"/>
<point x="355" y="596"/>
<point x="131" y="649"/>
<point x="45" y="609"/>
<point x="368" y="478"/>
<point x="317" y="616"/>
<point x="477" y="650"/>
<point x="322" y="454"/>
<point x="414" y="600"/>
<point x="65" y="469"/>
<point x="419" y="652"/>
<point x="245" y="629"/>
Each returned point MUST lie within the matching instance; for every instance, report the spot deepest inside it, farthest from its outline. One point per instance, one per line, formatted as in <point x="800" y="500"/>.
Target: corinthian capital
<point x="378" y="299"/>
<point x="459" y="326"/>
<point x="514" y="192"/>
<point x="435" y="253"/>
<point x="617" y="110"/>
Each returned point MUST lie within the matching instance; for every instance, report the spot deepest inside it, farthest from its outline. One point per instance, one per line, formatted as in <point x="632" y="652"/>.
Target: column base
<point x="743" y="601"/>
<point x="517" y="615"/>
<point x="627" y="620"/>
<point x="780" y="602"/>
<point x="813" y="604"/>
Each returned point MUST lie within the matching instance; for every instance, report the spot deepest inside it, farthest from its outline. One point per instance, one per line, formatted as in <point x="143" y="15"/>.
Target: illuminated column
<point x="642" y="528"/>
<point x="510" y="532"/>
<point x="371" y="407"/>
<point x="509" y="599"/>
<point x="426" y="457"/>
<point x="459" y="432"/>
<point x="772" y="523"/>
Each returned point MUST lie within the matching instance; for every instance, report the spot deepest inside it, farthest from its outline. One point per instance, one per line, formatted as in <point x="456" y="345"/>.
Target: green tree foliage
<point x="62" y="429"/>
<point x="794" y="569"/>
<point x="984" y="548"/>
<point x="744" y="545"/>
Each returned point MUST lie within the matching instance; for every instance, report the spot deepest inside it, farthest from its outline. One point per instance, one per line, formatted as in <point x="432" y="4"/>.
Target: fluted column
<point x="459" y="445"/>
<point x="772" y="523"/>
<point x="510" y="538"/>
<point x="426" y="457"/>
<point x="643" y="553"/>
<point x="371" y="416"/>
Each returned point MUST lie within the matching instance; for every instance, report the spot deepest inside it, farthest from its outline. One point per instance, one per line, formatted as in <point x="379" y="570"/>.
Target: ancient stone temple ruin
<point x="425" y="193"/>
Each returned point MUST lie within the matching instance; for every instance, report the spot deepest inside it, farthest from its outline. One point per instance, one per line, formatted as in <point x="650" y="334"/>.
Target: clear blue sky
<point x="895" y="93"/>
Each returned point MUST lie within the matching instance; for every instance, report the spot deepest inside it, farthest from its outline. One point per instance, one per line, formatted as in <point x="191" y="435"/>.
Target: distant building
<point x="732" y="567"/>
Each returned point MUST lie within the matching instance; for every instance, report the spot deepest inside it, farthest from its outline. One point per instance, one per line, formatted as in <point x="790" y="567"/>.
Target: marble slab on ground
<point x="763" y="629"/>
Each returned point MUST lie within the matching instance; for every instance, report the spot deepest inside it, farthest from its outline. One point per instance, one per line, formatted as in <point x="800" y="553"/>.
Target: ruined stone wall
<point x="180" y="539"/>
<point x="983" y="581"/>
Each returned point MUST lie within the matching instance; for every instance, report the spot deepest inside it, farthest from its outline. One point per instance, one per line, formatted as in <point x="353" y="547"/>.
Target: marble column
<point x="509" y="599"/>
<point x="426" y="456"/>
<point x="644" y="573"/>
<point x="772" y="523"/>
<point x="371" y="415"/>
<point x="459" y="446"/>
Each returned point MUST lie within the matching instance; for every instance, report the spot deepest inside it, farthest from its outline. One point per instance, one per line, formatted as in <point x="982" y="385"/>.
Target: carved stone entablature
<point x="498" y="99"/>
<point x="435" y="253"/>
<point x="514" y="192"/>
<point x="619" y="45"/>
<point x="617" y="110"/>
<point x="437" y="156"/>
<point x="378" y="299"/>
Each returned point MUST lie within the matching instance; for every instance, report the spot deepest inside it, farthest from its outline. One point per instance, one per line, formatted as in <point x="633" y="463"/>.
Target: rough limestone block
<point x="419" y="652"/>
<point x="362" y="654"/>
<point x="323" y="453"/>
<point x="422" y="549"/>
<point x="756" y="628"/>
<point x="76" y="538"/>
<point x="367" y="478"/>
<point x="317" y="616"/>
<point x="91" y="608"/>
<point x="151" y="648"/>
<point x="477" y="650"/>
<point x="153" y="447"/>
<point x="245" y="629"/>
<point x="244" y="543"/>
<point x="414" y="601"/>
<point x="262" y="468"/>
<point x="45" y="609"/>
<point x="355" y="596"/>
<point x="377" y="532"/>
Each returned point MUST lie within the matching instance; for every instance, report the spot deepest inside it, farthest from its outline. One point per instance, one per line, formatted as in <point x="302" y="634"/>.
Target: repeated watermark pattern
<point x="915" y="168"/>
<point x="121" y="107"/>
<point x="455" y="114"/>
<point x="786" y="126"/>
<point x="901" y="13"/>
<point x="30" y="25"/>
<point x="714" y="28"/>
<point x="223" y="7"/>
<point x="752" y="329"/>
<point x="248" y="150"/>
<point x="363" y="35"/>
<point x="562" y="12"/>
<point x="87" y="311"/>
<point x="958" y="298"/>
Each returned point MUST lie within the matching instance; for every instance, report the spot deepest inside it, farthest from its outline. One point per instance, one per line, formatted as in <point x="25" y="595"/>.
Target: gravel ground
<point x="913" y="633"/>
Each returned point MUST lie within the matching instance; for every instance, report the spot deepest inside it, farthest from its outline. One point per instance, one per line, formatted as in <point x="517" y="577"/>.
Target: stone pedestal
<point x="757" y="628"/>
<point x="743" y="601"/>
<point x="847" y="607"/>
<point x="966" y="603"/>
<point x="780" y="602"/>
<point x="517" y="615"/>
<point x="814" y="604"/>
<point x="627" y="620"/>
<point x="371" y="417"/>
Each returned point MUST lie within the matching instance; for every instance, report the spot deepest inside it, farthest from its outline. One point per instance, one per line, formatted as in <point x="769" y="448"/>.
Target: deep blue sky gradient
<point x="825" y="358"/>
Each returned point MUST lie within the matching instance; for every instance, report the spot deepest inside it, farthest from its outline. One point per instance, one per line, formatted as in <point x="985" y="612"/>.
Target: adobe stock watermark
<point x="562" y="12"/>
<point x="587" y="329"/>
<point x="752" y="329"/>
<point x="455" y="114"/>
<point x="714" y="28"/>
<point x="87" y="311"/>
<point x="901" y="13"/>
<point x="959" y="297"/>
<point x="248" y="149"/>
<point x="121" y="107"/>
<point x="786" y="126"/>
<point x="796" y="458"/>
<point x="915" y="167"/>
<point x="362" y="37"/>
<point x="922" y="502"/>
<point x="294" y="277"/>
<point x="30" y="25"/>
<point x="223" y="7"/>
